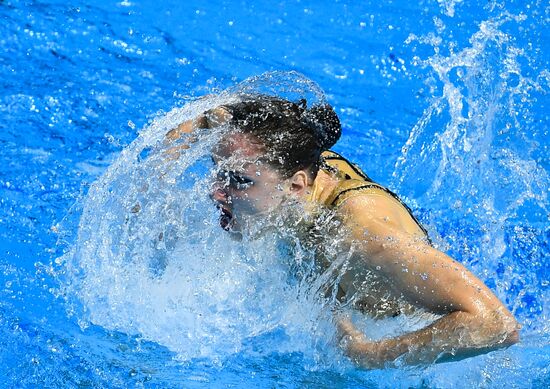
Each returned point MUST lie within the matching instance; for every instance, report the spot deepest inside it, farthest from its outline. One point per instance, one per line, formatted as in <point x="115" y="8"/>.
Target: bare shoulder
<point x="378" y="212"/>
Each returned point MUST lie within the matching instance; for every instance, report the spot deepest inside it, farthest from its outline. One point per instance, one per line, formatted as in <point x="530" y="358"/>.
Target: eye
<point x="234" y="180"/>
<point x="240" y="182"/>
<point x="222" y="175"/>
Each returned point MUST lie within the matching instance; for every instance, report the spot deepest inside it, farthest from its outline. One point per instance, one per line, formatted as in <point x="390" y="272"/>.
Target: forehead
<point x="238" y="147"/>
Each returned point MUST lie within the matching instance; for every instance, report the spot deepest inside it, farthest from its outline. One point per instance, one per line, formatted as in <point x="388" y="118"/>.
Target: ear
<point x="299" y="183"/>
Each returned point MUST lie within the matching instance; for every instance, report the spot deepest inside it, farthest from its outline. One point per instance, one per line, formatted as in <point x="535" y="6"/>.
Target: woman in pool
<point x="275" y="152"/>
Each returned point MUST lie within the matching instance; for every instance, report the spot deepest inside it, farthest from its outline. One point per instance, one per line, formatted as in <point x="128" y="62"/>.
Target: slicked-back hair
<point x="293" y="135"/>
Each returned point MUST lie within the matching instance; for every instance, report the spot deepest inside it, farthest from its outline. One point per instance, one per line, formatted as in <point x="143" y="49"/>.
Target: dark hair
<point x="294" y="136"/>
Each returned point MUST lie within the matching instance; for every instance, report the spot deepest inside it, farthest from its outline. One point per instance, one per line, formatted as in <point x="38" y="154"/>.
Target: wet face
<point x="245" y="184"/>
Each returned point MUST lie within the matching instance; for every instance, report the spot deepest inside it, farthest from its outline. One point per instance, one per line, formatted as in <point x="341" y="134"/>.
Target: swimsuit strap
<point x="334" y="161"/>
<point x="352" y="188"/>
<point x="354" y="182"/>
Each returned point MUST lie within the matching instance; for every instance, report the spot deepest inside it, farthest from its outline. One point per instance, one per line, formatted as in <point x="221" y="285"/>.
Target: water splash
<point x="449" y="6"/>
<point x="151" y="259"/>
<point x="479" y="143"/>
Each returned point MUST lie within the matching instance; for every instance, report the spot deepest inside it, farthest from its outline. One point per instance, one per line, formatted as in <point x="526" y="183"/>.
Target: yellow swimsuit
<point x="352" y="182"/>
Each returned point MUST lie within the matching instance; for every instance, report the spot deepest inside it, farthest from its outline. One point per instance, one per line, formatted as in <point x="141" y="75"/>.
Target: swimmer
<point x="276" y="152"/>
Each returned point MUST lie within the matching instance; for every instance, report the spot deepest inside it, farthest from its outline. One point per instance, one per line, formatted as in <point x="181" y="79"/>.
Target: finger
<point x="217" y="116"/>
<point x="174" y="153"/>
<point x="186" y="128"/>
<point x="183" y="128"/>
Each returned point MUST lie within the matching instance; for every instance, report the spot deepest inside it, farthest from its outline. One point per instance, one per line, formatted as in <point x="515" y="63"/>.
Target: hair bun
<point x="326" y="124"/>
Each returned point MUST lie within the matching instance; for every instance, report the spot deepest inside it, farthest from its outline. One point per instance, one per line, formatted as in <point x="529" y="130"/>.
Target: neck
<point x="321" y="188"/>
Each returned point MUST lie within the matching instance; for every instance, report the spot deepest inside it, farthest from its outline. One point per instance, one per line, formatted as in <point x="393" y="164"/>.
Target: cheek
<point x="244" y="199"/>
<point x="259" y="197"/>
<point x="256" y="197"/>
<point x="268" y="195"/>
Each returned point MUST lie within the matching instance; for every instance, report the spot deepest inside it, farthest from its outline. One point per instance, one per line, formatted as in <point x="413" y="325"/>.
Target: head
<point x="272" y="152"/>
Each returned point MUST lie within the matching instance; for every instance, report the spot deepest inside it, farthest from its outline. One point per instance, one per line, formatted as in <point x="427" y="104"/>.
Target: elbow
<point x="512" y="337"/>
<point x="495" y="328"/>
<point x="510" y="329"/>
<point x="504" y="328"/>
<point x="510" y="332"/>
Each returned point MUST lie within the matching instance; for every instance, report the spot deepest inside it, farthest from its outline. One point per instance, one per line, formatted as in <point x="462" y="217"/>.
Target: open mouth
<point x="226" y="218"/>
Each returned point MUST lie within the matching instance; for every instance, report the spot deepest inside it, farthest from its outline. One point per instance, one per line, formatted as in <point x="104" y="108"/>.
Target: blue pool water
<point x="444" y="101"/>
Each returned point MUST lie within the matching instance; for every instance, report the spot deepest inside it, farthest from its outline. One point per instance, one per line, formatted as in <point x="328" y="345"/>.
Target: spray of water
<point x="479" y="143"/>
<point x="151" y="258"/>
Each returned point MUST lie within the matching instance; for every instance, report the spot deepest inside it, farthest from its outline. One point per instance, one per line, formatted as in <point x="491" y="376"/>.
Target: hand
<point x="209" y="119"/>
<point x="357" y="346"/>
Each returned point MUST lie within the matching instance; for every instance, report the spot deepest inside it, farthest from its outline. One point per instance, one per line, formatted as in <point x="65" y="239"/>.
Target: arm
<point x="209" y="119"/>
<point x="474" y="320"/>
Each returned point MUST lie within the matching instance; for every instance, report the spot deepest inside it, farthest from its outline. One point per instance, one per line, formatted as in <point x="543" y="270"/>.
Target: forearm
<point x="455" y="336"/>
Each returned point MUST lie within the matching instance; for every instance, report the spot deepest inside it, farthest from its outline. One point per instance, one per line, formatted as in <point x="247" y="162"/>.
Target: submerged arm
<point x="474" y="320"/>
